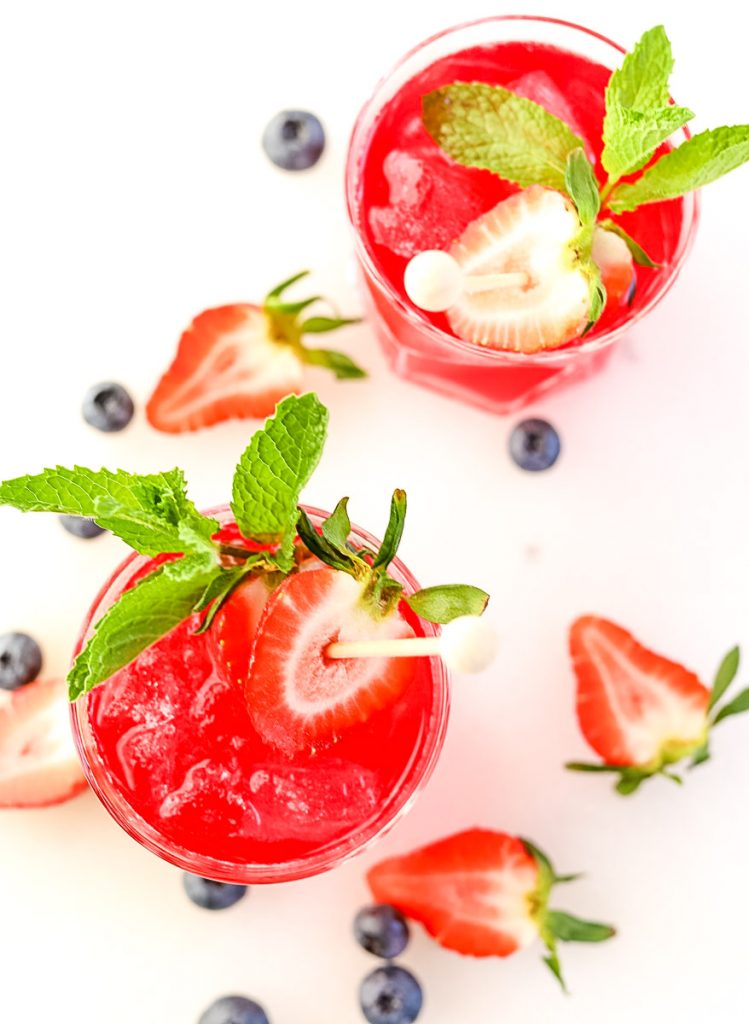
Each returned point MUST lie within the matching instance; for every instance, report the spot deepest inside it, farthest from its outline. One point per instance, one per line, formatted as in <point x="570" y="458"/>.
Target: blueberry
<point x="212" y="895"/>
<point x="534" y="445"/>
<point x="108" y="407"/>
<point x="390" y="995"/>
<point x="381" y="930"/>
<point x="234" y="1010"/>
<point x="79" y="526"/>
<point x="294" y="140"/>
<point x="20" y="660"/>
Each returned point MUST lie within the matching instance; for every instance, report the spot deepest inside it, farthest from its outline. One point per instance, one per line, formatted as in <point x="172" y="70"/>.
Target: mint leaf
<point x="140" y="617"/>
<point x="737" y="706"/>
<point x="642" y="80"/>
<point x="343" y="367"/>
<point x="639" y="116"/>
<point x="150" y="513"/>
<point x="634" y="135"/>
<point x="337" y="526"/>
<point x="279" y="461"/>
<point x="639" y="255"/>
<point x="724" y="676"/>
<point x="697" y="162"/>
<point x="394" y="532"/>
<point x="568" y="928"/>
<point x="322" y="324"/>
<point x="220" y="589"/>
<point x="487" y="126"/>
<point x="443" y="604"/>
<point x="582" y="187"/>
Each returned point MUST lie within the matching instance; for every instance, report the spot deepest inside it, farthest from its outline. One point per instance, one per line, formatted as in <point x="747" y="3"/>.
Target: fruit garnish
<point x="482" y="893"/>
<point x="641" y="712"/>
<point x="294" y="140"/>
<point x="108" y="407"/>
<point x="203" y="572"/>
<point x="239" y="361"/>
<point x="79" y="526"/>
<point x="534" y="445"/>
<point x="494" y="128"/>
<point x="381" y="930"/>
<point x="39" y="765"/>
<point x="211" y="895"/>
<point x="20" y="660"/>
<point x="234" y="1010"/>
<point x="390" y="995"/>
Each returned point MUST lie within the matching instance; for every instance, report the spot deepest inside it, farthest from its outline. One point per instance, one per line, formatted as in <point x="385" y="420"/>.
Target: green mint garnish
<point x="150" y="513"/>
<point x="277" y="464"/>
<point x="443" y="604"/>
<point x="490" y="127"/>
<point x="140" y="617"/>
<point x="287" y="328"/>
<point x="154" y="516"/>
<point x="697" y="162"/>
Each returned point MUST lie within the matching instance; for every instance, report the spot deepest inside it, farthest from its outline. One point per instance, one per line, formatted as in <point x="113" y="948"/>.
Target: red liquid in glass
<point x="176" y="741"/>
<point x="411" y="197"/>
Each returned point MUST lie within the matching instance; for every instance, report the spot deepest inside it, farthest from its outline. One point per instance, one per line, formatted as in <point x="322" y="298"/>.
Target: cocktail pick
<point x="467" y="644"/>
<point x="434" y="280"/>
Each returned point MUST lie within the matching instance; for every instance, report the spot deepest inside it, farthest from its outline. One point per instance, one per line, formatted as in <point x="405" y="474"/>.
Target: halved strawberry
<point x="612" y="256"/>
<point x="38" y="761"/>
<point x="637" y="710"/>
<point x="481" y="893"/>
<point x="297" y="697"/>
<point x="227" y="366"/>
<point x="239" y="361"/>
<point x="530" y="232"/>
<point x="233" y="630"/>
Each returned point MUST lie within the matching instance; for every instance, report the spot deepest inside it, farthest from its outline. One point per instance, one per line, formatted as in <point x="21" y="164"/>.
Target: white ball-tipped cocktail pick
<point x="467" y="645"/>
<point x="434" y="281"/>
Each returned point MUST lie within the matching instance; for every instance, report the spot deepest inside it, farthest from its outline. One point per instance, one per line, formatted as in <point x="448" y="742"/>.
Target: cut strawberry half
<point x="481" y="893"/>
<point x="636" y="708"/>
<point x="227" y="366"/>
<point x="533" y="233"/>
<point x="38" y="761"/>
<point x="298" y="698"/>
<point x="233" y="631"/>
<point x="612" y="256"/>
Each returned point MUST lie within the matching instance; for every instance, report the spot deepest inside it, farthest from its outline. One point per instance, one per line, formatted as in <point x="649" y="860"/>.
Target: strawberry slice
<point x="234" y="629"/>
<point x="530" y="232"/>
<point x="536" y="232"/>
<point x="38" y="761"/>
<point x="614" y="260"/>
<point x="481" y="893"/>
<point x="636" y="709"/>
<point x="227" y="366"/>
<point x="297" y="697"/>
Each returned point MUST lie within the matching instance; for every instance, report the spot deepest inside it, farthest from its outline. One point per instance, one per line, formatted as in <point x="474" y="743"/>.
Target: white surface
<point x="134" y="194"/>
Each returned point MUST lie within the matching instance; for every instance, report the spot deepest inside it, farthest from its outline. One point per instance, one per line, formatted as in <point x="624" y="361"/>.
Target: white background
<point x="134" y="194"/>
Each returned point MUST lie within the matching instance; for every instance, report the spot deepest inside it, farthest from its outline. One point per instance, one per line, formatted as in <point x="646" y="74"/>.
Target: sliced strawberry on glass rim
<point x="239" y="361"/>
<point x="482" y="893"/>
<point x="39" y="764"/>
<point x="638" y="710"/>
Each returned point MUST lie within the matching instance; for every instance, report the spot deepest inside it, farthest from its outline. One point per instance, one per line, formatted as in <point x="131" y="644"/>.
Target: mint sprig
<point x="489" y="127"/>
<point x="287" y="328"/>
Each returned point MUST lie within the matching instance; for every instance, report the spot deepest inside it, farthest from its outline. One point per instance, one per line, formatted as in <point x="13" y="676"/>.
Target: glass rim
<point x="448" y="341"/>
<point x="397" y="803"/>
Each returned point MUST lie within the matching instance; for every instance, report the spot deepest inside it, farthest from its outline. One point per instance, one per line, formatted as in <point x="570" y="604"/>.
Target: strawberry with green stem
<point x="238" y="361"/>
<point x="551" y="267"/>
<point x="639" y="711"/>
<point x="256" y="584"/>
<point x="483" y="893"/>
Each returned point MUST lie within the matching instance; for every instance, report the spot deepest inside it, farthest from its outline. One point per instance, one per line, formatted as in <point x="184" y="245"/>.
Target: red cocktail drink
<point x="405" y="195"/>
<point x="169" y="747"/>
